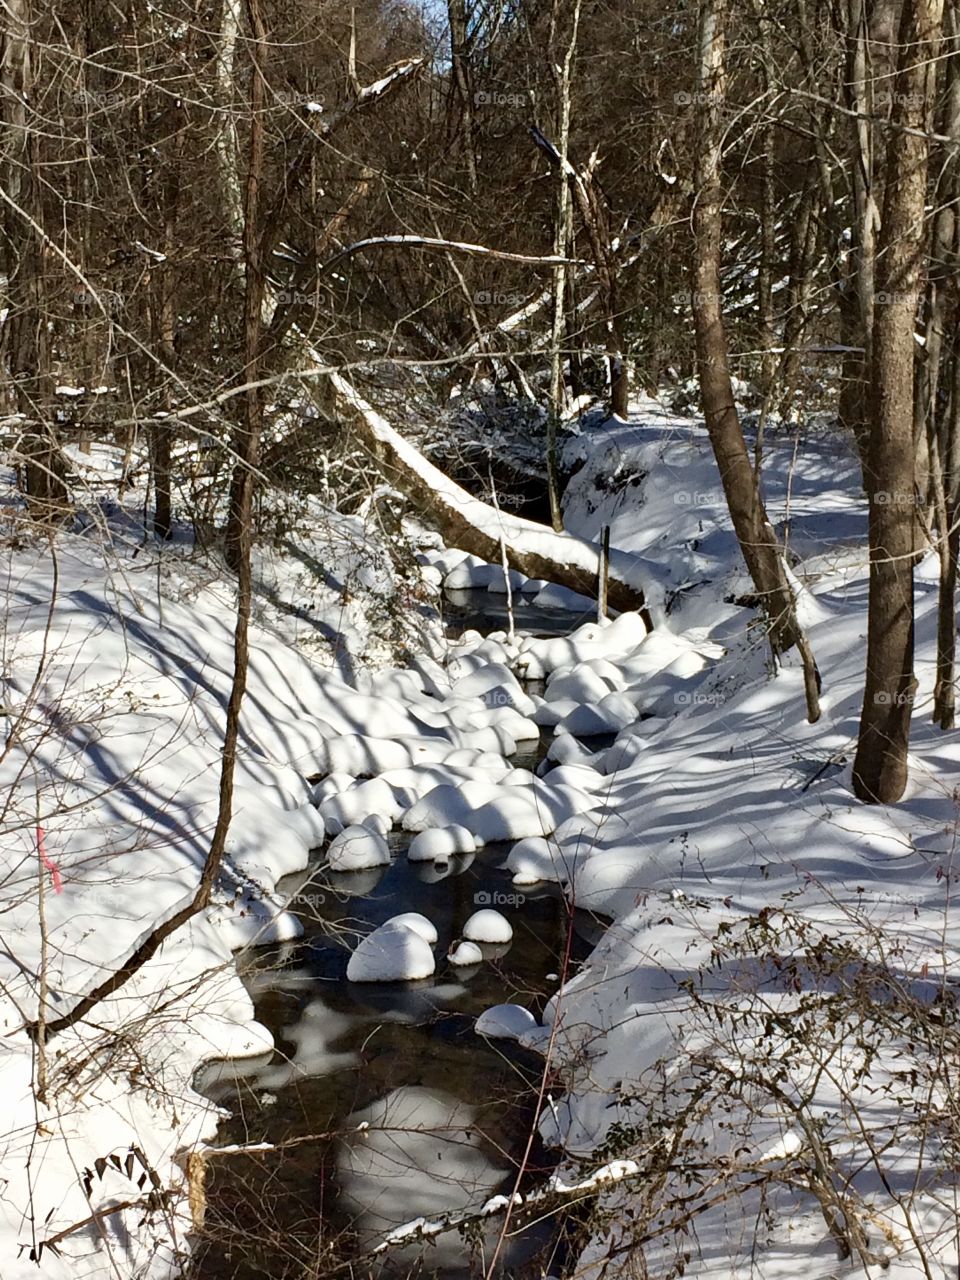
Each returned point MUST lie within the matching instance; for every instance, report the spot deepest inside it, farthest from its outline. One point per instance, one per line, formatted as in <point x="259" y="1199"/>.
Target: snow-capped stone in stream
<point x="357" y="848"/>
<point x="419" y="924"/>
<point x="610" y="715"/>
<point x="488" y="926"/>
<point x="581" y="776"/>
<point x="350" y="807"/>
<point x="331" y="785"/>
<point x="505" y="1022"/>
<point x="377" y="822"/>
<point x="522" y="807"/>
<point x="440" y="843"/>
<point x="465" y="953"/>
<point x="392" y="953"/>
<point x="471" y="574"/>
<point x="566" y="749"/>
<point x="498" y="586"/>
<point x="533" y="860"/>
<point x="579" y="685"/>
<point x="554" y="596"/>
<point x="496" y="686"/>
<point x="548" y="714"/>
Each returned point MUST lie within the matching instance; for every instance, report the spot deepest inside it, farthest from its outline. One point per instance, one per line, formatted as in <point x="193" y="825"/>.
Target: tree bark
<point x="247" y="438"/>
<point x="880" y="765"/>
<point x="561" y="247"/>
<point x="463" y="83"/>
<point x="758" y="542"/>
<point x="26" y="329"/>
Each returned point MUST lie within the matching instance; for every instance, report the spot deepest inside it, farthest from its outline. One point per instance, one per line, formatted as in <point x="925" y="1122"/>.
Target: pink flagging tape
<point x="49" y="863"/>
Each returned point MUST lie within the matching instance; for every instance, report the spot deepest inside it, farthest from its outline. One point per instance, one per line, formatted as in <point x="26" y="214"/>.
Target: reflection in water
<point x="456" y="1108"/>
<point x="417" y="1156"/>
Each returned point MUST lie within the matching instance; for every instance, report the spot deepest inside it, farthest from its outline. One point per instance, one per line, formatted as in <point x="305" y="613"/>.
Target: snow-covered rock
<point x="496" y="686"/>
<point x="418" y="923"/>
<point x="440" y="843"/>
<point x="532" y="860"/>
<point x="488" y="926"/>
<point x="465" y="953"/>
<point x="357" y="848"/>
<point x="506" y="1022"/>
<point x="392" y="953"/>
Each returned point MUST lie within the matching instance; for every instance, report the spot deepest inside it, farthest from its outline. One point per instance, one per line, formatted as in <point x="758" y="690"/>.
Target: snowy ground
<point x="769" y="934"/>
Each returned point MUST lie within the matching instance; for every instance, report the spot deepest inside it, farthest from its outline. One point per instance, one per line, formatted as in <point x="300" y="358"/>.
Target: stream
<point x="380" y="1102"/>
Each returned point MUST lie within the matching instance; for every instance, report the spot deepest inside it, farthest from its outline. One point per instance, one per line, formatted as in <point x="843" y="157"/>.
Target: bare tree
<point x="755" y="534"/>
<point x="880" y="766"/>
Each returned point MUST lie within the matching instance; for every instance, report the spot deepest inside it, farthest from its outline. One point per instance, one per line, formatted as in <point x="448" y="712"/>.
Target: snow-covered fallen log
<point x="473" y="526"/>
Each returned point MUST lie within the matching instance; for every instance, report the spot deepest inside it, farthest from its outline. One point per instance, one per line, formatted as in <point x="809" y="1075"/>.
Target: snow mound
<point x="356" y="848"/>
<point x="418" y="923"/>
<point x="488" y="926"/>
<point x="506" y="1022"/>
<point x="520" y="806"/>
<point x="465" y="953"/>
<point x="438" y="844"/>
<point x="533" y="860"/>
<point x="392" y="953"/>
<point x="610" y="715"/>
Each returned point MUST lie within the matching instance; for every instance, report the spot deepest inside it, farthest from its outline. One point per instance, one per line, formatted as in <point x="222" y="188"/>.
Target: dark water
<point x="447" y="1112"/>
<point x="486" y="611"/>
<point x="458" y="1102"/>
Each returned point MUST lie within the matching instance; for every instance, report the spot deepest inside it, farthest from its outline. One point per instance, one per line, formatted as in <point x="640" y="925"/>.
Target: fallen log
<point x="477" y="528"/>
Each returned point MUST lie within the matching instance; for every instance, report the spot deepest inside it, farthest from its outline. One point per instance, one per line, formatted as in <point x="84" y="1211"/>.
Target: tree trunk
<point x="880" y="765"/>
<point x="561" y="247"/>
<point x="860" y="282"/>
<point x="462" y="79"/>
<point x="758" y="542"/>
<point x="945" y="693"/>
<point x="940" y="426"/>
<point x="239" y="532"/>
<point x="26" y="330"/>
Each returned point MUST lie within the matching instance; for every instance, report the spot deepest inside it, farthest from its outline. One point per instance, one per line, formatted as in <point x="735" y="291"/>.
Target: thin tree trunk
<point x="463" y="82"/>
<point x="945" y="693"/>
<point x="941" y="428"/>
<point x="880" y="765"/>
<point x="866" y="223"/>
<point x="247" y="441"/>
<point x="758" y="542"/>
<point x="561" y="247"/>
<point x="26" y="329"/>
